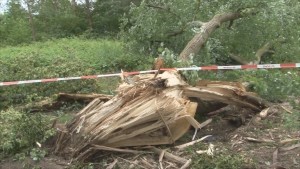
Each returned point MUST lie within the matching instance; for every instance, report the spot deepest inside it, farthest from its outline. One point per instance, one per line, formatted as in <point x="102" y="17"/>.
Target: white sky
<point x="2" y="5"/>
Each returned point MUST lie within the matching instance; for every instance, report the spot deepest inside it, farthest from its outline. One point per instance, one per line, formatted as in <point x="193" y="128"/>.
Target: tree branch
<point x="258" y="55"/>
<point x="238" y="59"/>
<point x="198" y="41"/>
<point x="262" y="51"/>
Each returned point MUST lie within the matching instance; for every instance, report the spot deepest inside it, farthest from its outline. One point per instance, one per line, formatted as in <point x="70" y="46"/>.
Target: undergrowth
<point x="20" y="130"/>
<point x="273" y="85"/>
<point x="292" y="120"/>
<point x="62" y="58"/>
<point x="221" y="159"/>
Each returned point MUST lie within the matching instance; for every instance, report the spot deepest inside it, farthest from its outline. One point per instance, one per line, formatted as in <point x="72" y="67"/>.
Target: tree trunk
<point x="29" y="4"/>
<point x="198" y="41"/>
<point x="88" y="13"/>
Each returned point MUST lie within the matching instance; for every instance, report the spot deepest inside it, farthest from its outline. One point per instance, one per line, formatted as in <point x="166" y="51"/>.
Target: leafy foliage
<point x="273" y="85"/>
<point x="21" y="130"/>
<point x="170" y="22"/>
<point x="59" y="19"/>
<point x="62" y="58"/>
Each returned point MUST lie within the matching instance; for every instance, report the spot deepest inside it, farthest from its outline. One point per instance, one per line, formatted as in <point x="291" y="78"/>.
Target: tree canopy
<point x="268" y="28"/>
<point x="33" y="20"/>
<point x="226" y="31"/>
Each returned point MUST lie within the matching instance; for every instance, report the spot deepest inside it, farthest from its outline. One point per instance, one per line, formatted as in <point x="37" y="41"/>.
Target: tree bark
<point x="29" y="4"/>
<point x="88" y="13"/>
<point x="198" y="41"/>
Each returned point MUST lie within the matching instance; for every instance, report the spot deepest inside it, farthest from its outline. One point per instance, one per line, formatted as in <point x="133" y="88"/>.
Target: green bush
<point x="20" y="130"/>
<point x="62" y="58"/>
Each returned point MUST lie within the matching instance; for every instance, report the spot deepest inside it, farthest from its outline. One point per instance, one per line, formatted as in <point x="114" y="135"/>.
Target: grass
<point x="62" y="58"/>
<point x="291" y="121"/>
<point x="77" y="57"/>
<point x="222" y="160"/>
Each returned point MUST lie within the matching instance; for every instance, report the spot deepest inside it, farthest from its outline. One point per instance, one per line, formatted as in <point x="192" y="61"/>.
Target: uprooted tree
<point x="248" y="30"/>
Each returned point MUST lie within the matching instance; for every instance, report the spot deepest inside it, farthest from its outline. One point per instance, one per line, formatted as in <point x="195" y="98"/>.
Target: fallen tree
<point x="150" y="111"/>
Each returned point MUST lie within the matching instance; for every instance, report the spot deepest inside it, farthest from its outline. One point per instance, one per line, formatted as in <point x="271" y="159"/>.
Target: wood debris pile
<point x="146" y="112"/>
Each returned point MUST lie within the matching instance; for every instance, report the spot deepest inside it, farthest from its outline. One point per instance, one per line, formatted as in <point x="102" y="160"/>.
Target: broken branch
<point x="182" y="146"/>
<point x="170" y="156"/>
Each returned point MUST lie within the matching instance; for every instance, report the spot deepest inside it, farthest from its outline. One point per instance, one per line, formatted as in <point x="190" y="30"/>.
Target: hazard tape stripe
<point x="232" y="67"/>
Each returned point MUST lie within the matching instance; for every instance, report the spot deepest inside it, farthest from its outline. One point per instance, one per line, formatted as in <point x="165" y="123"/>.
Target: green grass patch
<point x="222" y="158"/>
<point x="222" y="161"/>
<point x="292" y="120"/>
<point x="63" y="58"/>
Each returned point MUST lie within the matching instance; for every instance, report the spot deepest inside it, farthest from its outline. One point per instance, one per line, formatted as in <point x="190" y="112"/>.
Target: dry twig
<point x="290" y="147"/>
<point x="161" y="156"/>
<point x="112" y="165"/>
<point x="187" y="164"/>
<point x="259" y="140"/>
<point x="170" y="156"/>
<point x="287" y="110"/>
<point x="182" y="146"/>
<point x="117" y="149"/>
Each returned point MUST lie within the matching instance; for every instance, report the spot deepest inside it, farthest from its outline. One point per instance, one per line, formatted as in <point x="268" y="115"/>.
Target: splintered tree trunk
<point x="29" y="4"/>
<point x="147" y="112"/>
<point x="198" y="41"/>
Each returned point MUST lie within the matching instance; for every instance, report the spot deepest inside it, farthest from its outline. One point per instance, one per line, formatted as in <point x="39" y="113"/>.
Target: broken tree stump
<point x="146" y="112"/>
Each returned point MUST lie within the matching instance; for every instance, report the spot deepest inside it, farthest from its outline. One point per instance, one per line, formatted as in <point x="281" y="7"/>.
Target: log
<point x="83" y="97"/>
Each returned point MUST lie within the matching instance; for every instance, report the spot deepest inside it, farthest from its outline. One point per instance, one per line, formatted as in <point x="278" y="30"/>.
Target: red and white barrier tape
<point x="233" y="67"/>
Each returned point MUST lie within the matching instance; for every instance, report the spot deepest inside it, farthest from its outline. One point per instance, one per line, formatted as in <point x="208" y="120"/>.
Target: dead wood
<point x="147" y="112"/>
<point x="117" y="149"/>
<point x="146" y="163"/>
<point x="187" y="164"/>
<point x="259" y="140"/>
<point x="51" y="104"/>
<point x="180" y="147"/>
<point x="275" y="157"/>
<point x="290" y="147"/>
<point x="289" y="140"/>
<point x="287" y="110"/>
<point x="83" y="97"/>
<point x="161" y="156"/>
<point x="112" y="165"/>
<point x="170" y="156"/>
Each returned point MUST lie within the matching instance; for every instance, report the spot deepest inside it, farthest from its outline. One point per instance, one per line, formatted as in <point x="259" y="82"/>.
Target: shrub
<point x="19" y="130"/>
<point x="62" y="58"/>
